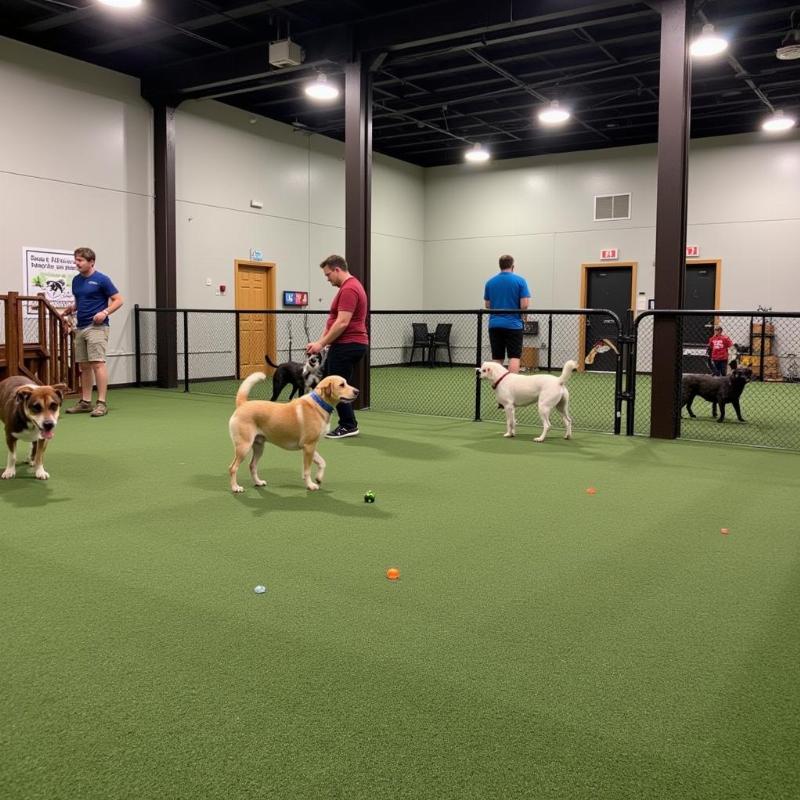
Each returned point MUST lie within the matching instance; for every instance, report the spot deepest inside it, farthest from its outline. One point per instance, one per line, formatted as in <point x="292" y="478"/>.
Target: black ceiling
<point x="446" y="73"/>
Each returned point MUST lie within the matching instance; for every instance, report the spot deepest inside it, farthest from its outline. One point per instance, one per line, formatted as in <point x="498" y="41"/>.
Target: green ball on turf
<point x="369" y="497"/>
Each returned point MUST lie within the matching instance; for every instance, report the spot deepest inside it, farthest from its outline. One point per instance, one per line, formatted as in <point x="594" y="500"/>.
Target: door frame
<point x="583" y="299"/>
<point x="271" y="268"/>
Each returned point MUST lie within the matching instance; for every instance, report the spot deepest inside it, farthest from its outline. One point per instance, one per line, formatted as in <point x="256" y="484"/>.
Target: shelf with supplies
<point x="762" y="337"/>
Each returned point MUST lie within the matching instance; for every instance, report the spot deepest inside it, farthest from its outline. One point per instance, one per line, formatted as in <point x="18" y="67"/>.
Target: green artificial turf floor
<point x="542" y="642"/>
<point x="771" y="410"/>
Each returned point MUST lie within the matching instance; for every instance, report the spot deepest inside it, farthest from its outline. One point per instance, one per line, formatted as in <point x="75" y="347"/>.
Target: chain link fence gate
<point x="767" y="343"/>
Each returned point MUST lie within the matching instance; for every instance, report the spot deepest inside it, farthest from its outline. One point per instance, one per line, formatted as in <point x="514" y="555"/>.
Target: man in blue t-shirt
<point x="95" y="300"/>
<point x="506" y="290"/>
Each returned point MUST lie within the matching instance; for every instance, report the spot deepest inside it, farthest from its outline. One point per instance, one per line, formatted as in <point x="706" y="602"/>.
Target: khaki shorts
<point x="91" y="343"/>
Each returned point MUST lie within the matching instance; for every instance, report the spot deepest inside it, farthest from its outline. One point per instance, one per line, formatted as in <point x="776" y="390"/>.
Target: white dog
<point x="513" y="390"/>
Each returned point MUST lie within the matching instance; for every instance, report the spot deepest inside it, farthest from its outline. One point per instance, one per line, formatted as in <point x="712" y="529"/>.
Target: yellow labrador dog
<point x="513" y="390"/>
<point x="296" y="425"/>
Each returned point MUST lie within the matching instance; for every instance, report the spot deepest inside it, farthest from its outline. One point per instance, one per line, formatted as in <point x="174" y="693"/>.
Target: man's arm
<point x="524" y="302"/>
<point x="115" y="302"/>
<point x="487" y="304"/>
<point x="332" y="334"/>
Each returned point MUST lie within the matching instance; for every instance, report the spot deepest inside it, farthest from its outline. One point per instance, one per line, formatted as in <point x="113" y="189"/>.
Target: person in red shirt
<point x="346" y="335"/>
<point x="718" y="346"/>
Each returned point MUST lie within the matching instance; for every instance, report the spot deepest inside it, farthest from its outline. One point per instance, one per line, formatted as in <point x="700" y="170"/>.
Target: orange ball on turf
<point x="591" y="490"/>
<point x="724" y="531"/>
<point x="392" y="573"/>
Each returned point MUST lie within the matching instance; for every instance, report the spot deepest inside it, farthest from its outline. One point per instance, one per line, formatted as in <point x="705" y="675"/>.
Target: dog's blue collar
<point x="321" y="403"/>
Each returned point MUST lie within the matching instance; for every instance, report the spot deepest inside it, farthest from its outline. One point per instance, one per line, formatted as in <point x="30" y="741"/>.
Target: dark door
<point x="611" y="289"/>
<point x="699" y="292"/>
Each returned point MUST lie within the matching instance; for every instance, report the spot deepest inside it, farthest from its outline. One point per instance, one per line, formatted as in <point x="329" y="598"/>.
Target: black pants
<point x="341" y="360"/>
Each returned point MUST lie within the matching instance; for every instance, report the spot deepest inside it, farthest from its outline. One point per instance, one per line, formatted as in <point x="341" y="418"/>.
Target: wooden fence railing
<point x="43" y="349"/>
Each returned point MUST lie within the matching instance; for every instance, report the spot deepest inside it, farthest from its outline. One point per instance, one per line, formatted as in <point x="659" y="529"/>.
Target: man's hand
<point x="100" y="317"/>
<point x="312" y="348"/>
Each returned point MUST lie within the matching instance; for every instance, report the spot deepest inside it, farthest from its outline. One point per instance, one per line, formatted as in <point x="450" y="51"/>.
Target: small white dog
<point x="513" y="390"/>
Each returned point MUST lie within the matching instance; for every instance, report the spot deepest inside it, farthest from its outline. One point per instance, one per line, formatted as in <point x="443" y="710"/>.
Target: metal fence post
<point x="238" y="346"/>
<point x="137" y="344"/>
<point x="478" y="357"/>
<point x="549" y="342"/>
<point x="185" y="351"/>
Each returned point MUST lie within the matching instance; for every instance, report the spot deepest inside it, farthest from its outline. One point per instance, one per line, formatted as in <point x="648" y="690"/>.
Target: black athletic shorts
<point x="505" y="340"/>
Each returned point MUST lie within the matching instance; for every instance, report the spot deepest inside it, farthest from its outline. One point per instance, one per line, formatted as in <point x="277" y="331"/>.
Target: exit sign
<point x="609" y="255"/>
<point x="692" y="251"/>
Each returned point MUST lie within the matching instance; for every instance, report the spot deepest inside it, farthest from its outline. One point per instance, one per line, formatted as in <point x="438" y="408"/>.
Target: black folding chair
<point x="422" y="340"/>
<point x="441" y="338"/>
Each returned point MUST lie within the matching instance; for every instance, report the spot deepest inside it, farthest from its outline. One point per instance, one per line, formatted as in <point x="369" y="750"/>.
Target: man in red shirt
<point x="718" y="346"/>
<point x="345" y="333"/>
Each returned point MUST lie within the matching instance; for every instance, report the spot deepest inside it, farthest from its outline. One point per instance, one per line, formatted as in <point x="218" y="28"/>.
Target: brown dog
<point x="30" y="413"/>
<point x="296" y="425"/>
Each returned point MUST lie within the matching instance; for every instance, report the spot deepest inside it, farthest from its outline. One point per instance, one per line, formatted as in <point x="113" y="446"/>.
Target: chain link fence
<point x="421" y="362"/>
<point x="767" y="344"/>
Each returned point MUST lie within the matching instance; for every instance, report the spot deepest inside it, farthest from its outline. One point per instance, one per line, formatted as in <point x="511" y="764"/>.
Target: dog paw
<point x="259" y="482"/>
<point x="236" y="489"/>
<point x="41" y="475"/>
<point x="8" y="474"/>
<point x="539" y="439"/>
<point x="312" y="487"/>
<point x="508" y="435"/>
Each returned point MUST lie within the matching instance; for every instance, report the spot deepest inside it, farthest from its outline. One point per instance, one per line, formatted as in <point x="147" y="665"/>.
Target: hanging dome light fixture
<point x="778" y="122"/>
<point x="320" y="89"/>
<point x="553" y="114"/>
<point x="708" y="44"/>
<point x="477" y="154"/>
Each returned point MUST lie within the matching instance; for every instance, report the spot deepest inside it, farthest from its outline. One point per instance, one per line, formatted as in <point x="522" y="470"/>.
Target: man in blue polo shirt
<point x="506" y="290"/>
<point x="96" y="299"/>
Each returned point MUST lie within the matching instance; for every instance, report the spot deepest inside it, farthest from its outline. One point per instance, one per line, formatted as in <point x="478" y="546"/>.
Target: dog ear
<point x="60" y="389"/>
<point x="327" y="390"/>
<point x="23" y="393"/>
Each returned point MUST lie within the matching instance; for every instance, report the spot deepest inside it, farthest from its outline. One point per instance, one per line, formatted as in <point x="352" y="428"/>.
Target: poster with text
<point x="49" y="272"/>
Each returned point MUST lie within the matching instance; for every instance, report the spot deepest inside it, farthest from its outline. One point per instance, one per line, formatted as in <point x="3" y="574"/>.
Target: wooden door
<point x="255" y="289"/>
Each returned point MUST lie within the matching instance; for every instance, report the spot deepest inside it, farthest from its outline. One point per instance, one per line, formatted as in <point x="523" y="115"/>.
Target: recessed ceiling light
<point x="553" y="114"/>
<point x="121" y="3"/>
<point x="321" y="89"/>
<point x="708" y="43"/>
<point x="778" y="122"/>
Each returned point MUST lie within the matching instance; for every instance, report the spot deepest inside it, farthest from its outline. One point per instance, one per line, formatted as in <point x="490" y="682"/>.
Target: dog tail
<point x="569" y="368"/>
<point x="248" y="383"/>
<point x="269" y="361"/>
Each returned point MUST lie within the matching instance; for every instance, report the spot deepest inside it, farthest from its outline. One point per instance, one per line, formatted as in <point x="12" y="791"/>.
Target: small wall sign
<point x="611" y="254"/>
<point x="292" y="298"/>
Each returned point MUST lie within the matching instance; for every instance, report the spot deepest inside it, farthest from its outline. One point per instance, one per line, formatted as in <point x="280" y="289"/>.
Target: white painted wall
<point x="744" y="208"/>
<point x="223" y="162"/>
<point x="76" y="170"/>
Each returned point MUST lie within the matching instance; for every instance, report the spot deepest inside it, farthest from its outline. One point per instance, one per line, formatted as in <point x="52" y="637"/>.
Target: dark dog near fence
<point x="717" y="390"/>
<point x="302" y="377"/>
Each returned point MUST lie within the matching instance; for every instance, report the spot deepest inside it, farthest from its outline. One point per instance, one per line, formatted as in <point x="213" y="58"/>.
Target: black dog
<point x="302" y="377"/>
<point x="56" y="286"/>
<point x="717" y="390"/>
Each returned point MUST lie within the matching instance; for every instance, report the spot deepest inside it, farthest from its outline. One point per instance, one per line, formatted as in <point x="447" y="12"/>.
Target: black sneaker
<point x="342" y="433"/>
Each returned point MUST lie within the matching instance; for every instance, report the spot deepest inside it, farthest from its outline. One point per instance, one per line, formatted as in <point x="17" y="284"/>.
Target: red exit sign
<point x="609" y="255"/>
<point x="692" y="251"/>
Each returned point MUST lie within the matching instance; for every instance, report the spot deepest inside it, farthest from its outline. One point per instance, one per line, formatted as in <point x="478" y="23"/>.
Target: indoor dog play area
<point x="401" y="400"/>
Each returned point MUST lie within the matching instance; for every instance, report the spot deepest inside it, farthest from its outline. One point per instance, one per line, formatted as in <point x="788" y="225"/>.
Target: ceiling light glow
<point x="321" y="89"/>
<point x="778" y="122"/>
<point x="708" y="44"/>
<point x="121" y="3"/>
<point x="553" y="114"/>
<point x="477" y="154"/>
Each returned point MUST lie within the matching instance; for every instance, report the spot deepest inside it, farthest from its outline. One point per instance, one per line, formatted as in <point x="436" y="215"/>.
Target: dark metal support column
<point x="674" y="108"/>
<point x="358" y="190"/>
<point x="166" y="294"/>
